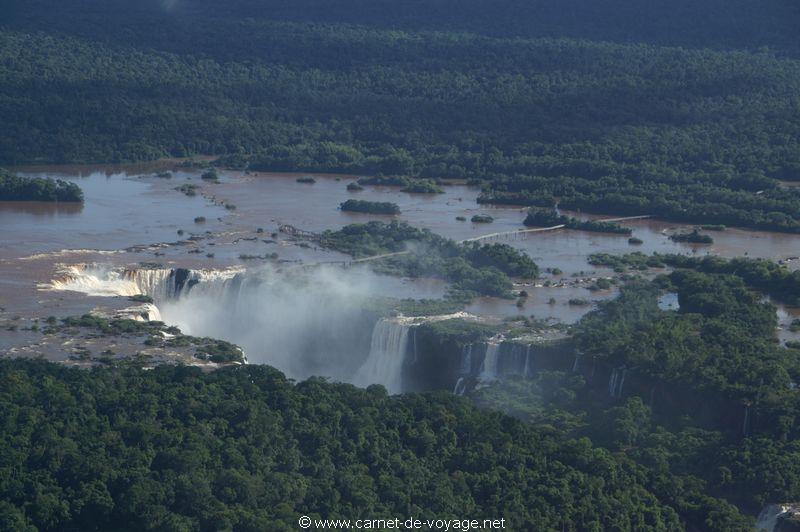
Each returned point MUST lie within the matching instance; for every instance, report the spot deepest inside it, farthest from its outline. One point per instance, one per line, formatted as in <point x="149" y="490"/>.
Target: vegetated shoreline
<point x="163" y="163"/>
<point x="15" y="188"/>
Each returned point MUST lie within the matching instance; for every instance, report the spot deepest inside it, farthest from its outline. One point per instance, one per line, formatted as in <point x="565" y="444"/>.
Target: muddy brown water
<point x="131" y="216"/>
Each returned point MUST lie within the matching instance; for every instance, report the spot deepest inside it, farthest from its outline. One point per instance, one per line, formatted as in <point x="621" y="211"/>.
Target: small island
<point x="16" y="188"/>
<point x="550" y="218"/>
<point x="415" y="186"/>
<point x="695" y="237"/>
<point x="371" y="207"/>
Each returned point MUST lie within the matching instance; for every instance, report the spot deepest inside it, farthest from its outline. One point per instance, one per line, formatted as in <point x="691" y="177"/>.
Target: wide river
<point x="131" y="216"/>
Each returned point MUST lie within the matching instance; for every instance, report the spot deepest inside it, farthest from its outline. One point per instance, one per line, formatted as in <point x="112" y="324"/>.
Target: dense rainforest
<point x="246" y="449"/>
<point x="679" y="109"/>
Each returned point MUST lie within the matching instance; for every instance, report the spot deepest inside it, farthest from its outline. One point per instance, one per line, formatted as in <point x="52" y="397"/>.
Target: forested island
<point x="471" y="268"/>
<point x="17" y="188"/>
<point x="371" y="207"/>
<point x="549" y="218"/>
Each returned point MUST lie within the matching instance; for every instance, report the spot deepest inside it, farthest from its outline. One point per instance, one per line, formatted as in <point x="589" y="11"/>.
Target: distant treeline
<point x="17" y="188"/>
<point x="535" y="110"/>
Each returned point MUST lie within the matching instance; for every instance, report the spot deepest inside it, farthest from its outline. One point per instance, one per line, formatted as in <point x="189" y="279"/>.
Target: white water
<point x="94" y="280"/>
<point x="461" y="386"/>
<point x="158" y="283"/>
<point x="768" y="518"/>
<point x="490" y="362"/>
<point x="616" y="382"/>
<point x="302" y="324"/>
<point x="527" y="371"/>
<point x="387" y="353"/>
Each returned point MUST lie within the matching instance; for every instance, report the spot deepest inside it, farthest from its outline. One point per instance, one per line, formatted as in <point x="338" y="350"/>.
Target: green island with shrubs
<point x="18" y="188"/>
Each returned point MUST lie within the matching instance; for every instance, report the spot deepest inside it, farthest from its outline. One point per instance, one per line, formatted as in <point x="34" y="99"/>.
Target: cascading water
<point x="387" y="353"/>
<point x="490" y="361"/>
<point x="770" y="516"/>
<point x="94" y="280"/>
<point x="303" y="324"/>
<point x="461" y="386"/>
<point x="162" y="284"/>
<point x="526" y="372"/>
<point x="616" y="382"/>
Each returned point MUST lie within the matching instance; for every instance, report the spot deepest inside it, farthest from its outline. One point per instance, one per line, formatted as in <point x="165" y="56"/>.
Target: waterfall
<point x="416" y="355"/>
<point x="156" y="283"/>
<point x="612" y="382"/>
<point x="161" y="284"/>
<point x="490" y="360"/>
<point x="93" y="280"/>
<point x="466" y="360"/>
<point x="527" y="371"/>
<point x="616" y="381"/>
<point x="461" y="386"/>
<point x="576" y="363"/>
<point x="387" y="353"/>
<point x="769" y="516"/>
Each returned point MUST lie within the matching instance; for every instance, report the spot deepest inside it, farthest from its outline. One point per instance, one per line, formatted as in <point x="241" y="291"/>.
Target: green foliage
<point x="682" y="465"/>
<point x="423" y="186"/>
<point x="372" y="207"/>
<point x="636" y="261"/>
<point x="549" y="218"/>
<point x="689" y="131"/>
<point x="217" y="351"/>
<point x="210" y="175"/>
<point x="245" y="449"/>
<point x="763" y="275"/>
<point x="694" y="237"/>
<point x="472" y="268"/>
<point x="503" y="257"/>
<point x="16" y="188"/>
<point x="386" y="181"/>
<point x="721" y="340"/>
<point x="481" y="219"/>
<point x="188" y="189"/>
